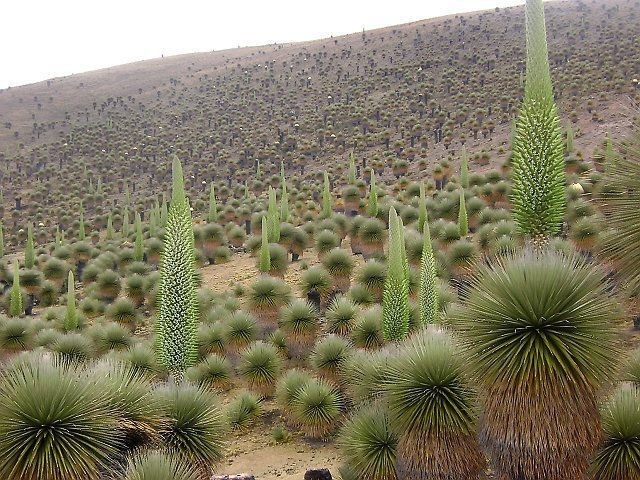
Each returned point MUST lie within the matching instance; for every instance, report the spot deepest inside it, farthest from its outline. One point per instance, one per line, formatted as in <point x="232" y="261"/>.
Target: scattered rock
<point x="241" y="476"/>
<point x="318" y="474"/>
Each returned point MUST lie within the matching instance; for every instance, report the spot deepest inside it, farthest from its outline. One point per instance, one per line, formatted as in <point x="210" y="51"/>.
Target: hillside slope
<point x="401" y="98"/>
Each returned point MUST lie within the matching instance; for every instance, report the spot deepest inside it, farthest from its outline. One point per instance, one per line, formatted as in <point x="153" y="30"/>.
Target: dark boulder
<point x="318" y="474"/>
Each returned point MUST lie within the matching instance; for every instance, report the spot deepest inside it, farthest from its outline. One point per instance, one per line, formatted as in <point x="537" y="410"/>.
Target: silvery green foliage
<point x="176" y="327"/>
<point x="538" y="149"/>
<point x="395" y="297"/>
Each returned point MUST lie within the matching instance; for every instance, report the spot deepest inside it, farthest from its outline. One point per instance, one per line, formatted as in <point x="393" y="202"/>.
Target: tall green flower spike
<point x="153" y="222"/>
<point x="428" y="294"/>
<point x="569" y="139"/>
<point x="81" y="228"/>
<point x="273" y="215"/>
<point x="29" y="251"/>
<point x="422" y="209"/>
<point x="58" y="236"/>
<point x="538" y="149"/>
<point x="463" y="221"/>
<point x="264" y="264"/>
<point x="16" y="305"/>
<point x="213" y="206"/>
<point x="138" y="248"/>
<point x="464" y="169"/>
<point x="352" y="170"/>
<point x="71" y="316"/>
<point x="164" y="212"/>
<point x="110" y="232"/>
<point x="125" y="223"/>
<point x="327" y="208"/>
<point x="395" y="297"/>
<point x="176" y="327"/>
<point x="373" y="197"/>
<point x="284" y="200"/>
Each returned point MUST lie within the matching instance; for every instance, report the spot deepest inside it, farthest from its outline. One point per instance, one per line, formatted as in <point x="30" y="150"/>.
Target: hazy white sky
<point x="40" y="39"/>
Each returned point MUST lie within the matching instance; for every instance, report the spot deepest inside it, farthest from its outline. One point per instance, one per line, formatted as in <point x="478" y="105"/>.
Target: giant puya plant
<point x="538" y="149"/>
<point x="176" y="327"/>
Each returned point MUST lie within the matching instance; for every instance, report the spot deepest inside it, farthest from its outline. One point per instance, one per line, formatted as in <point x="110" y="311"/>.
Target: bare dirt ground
<point x="255" y="451"/>
<point x="242" y="271"/>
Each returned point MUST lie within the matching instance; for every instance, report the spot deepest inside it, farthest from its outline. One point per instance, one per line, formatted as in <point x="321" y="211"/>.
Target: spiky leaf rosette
<point x="619" y="202"/>
<point x="619" y="454"/>
<point x="433" y="409"/>
<point x="428" y="294"/>
<point x="540" y="332"/>
<point x="463" y="221"/>
<point x="631" y="371"/>
<point x="369" y="444"/>
<point x="537" y="194"/>
<point x="195" y="428"/>
<point x="317" y="407"/>
<point x="395" y="297"/>
<point x="53" y="424"/>
<point x="131" y="395"/>
<point x="71" y="316"/>
<point x="158" y="466"/>
<point x="16" y="304"/>
<point x="176" y="327"/>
